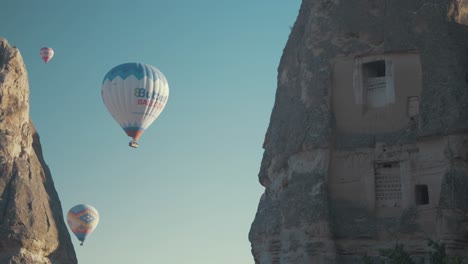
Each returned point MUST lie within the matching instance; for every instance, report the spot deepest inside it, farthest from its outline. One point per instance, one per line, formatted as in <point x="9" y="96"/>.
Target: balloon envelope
<point x="135" y="94"/>
<point x="82" y="220"/>
<point x="46" y="54"/>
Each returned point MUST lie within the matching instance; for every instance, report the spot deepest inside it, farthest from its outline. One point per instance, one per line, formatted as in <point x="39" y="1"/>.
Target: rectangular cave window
<point x="387" y="165"/>
<point x="375" y="82"/>
<point x="374" y="69"/>
<point x="421" y="194"/>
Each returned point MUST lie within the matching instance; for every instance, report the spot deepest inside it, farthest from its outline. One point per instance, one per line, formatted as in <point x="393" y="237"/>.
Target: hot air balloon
<point x="82" y="220"/>
<point x="47" y="54"/>
<point x="135" y="94"/>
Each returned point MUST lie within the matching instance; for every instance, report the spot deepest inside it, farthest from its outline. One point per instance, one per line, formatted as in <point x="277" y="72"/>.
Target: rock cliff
<point x="32" y="227"/>
<point x="367" y="141"/>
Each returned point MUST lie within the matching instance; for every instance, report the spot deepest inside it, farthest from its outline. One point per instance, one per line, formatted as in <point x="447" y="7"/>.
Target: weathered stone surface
<point x="328" y="145"/>
<point x="32" y="227"/>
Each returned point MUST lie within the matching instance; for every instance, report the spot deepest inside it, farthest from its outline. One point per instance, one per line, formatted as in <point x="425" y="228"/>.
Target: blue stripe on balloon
<point x="139" y="70"/>
<point x="133" y="128"/>
<point x="81" y="236"/>
<point x="80" y="207"/>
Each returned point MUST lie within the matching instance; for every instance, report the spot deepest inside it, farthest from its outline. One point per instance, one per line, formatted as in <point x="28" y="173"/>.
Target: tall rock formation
<point x="368" y="139"/>
<point x="32" y="227"/>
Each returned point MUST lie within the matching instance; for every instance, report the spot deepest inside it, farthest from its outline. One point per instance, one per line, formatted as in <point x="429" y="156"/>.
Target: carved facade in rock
<point x="368" y="139"/>
<point x="32" y="228"/>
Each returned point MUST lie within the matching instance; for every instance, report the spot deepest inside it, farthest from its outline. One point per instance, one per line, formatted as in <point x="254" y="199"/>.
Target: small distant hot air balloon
<point x="47" y="54"/>
<point x="82" y="220"/>
<point x="135" y="94"/>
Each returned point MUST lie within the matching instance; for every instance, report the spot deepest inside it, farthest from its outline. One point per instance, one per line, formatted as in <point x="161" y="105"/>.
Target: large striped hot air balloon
<point x="82" y="220"/>
<point x="135" y="94"/>
<point x="46" y="54"/>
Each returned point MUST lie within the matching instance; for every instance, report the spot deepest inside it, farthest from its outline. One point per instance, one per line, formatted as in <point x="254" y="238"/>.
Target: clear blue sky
<point x="189" y="194"/>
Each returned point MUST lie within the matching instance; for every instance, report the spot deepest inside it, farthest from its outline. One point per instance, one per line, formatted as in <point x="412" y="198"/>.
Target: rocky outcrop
<point x="32" y="227"/>
<point x="348" y="171"/>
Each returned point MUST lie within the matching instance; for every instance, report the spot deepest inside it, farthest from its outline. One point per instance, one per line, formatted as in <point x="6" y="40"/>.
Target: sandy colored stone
<point x="32" y="227"/>
<point x="328" y="145"/>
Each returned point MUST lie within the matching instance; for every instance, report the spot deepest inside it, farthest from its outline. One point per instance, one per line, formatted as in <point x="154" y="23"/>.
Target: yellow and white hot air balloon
<point x="82" y="220"/>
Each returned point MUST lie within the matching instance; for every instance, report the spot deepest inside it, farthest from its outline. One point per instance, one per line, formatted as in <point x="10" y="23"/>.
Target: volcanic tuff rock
<point x="32" y="228"/>
<point x="368" y="138"/>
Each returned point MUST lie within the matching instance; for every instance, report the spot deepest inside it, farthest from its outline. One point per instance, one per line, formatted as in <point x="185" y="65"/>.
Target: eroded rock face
<point x="366" y="145"/>
<point x="32" y="227"/>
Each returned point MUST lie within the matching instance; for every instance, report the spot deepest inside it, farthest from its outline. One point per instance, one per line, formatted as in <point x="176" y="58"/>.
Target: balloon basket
<point x="133" y="144"/>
